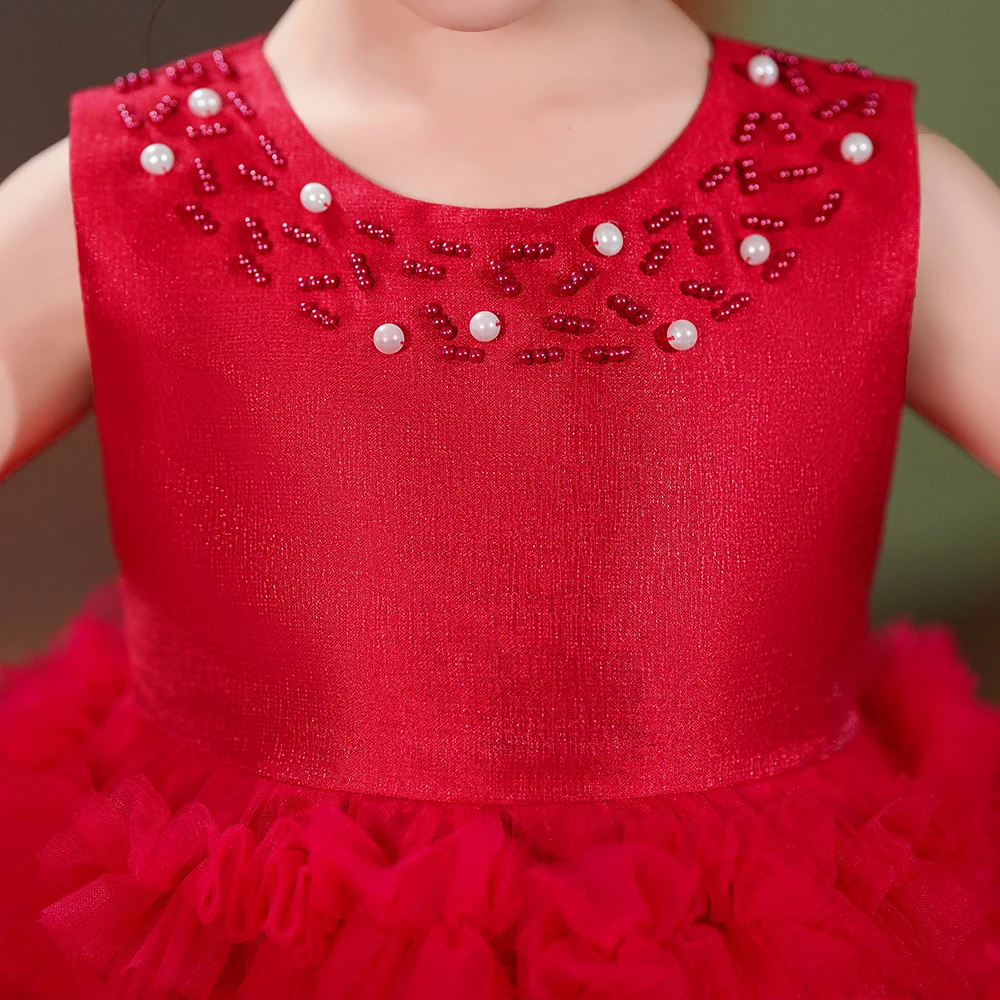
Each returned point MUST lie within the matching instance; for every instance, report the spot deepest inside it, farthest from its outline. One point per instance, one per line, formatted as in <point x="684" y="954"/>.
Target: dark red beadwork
<point x="448" y="248"/>
<point x="578" y="278"/>
<point x="131" y="81"/>
<point x="459" y="352"/>
<point x="749" y="179"/>
<point x="655" y="257"/>
<point x="509" y="285"/>
<point x="165" y="107"/>
<point x="702" y="290"/>
<point x="714" y="176"/>
<point x="246" y="262"/>
<point x="182" y="68"/>
<point x="362" y="272"/>
<point x="300" y="235"/>
<point x="779" y="264"/>
<point x="440" y="321"/>
<point x="828" y="110"/>
<point x="782" y="127"/>
<point x="746" y="127"/>
<point x="568" y="324"/>
<point x="194" y="211"/>
<point x="128" y="119"/>
<point x="662" y="218"/>
<point x="797" y="173"/>
<point x="732" y="305"/>
<point x="701" y="230"/>
<point x="258" y="234"/>
<point x="220" y="63"/>
<point x="823" y="214"/>
<point x="628" y="309"/>
<point x="317" y="282"/>
<point x="256" y="176"/>
<point x="540" y="355"/>
<point x="791" y="74"/>
<point x="241" y="106"/>
<point x="272" y="151"/>
<point x="206" y="131"/>
<point x="865" y="104"/>
<point x="205" y="179"/>
<point x="371" y="230"/>
<point x="602" y="354"/>
<point x="529" y="251"/>
<point x="420" y="269"/>
<point x="763" y="223"/>
<point x="850" y="67"/>
<point x="319" y="315"/>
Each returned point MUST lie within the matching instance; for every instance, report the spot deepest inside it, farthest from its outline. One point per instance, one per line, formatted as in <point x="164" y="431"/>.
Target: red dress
<point x="493" y="610"/>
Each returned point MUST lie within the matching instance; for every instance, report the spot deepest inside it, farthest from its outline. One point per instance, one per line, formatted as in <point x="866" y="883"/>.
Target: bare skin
<point x="476" y="89"/>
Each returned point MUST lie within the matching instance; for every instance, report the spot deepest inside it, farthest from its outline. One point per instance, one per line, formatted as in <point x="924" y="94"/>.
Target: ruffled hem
<point x="135" y="867"/>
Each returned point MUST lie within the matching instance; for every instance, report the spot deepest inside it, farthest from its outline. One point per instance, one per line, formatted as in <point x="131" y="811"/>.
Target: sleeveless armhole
<point x="907" y="91"/>
<point x="94" y="150"/>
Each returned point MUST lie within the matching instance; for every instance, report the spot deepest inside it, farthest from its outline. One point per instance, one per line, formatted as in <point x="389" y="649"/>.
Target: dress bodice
<point x="572" y="560"/>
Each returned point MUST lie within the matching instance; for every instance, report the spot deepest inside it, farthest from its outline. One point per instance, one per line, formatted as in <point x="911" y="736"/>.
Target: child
<point x="497" y="405"/>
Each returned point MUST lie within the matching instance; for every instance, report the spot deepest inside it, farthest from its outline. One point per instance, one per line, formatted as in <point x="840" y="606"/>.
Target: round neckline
<point x="339" y="175"/>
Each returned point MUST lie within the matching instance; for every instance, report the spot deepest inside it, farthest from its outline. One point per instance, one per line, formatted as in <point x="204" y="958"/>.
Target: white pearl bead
<point x="608" y="239"/>
<point x="763" y="70"/>
<point x="157" y="158"/>
<point x="316" y="197"/>
<point x="682" y="334"/>
<point x="205" y="102"/>
<point x="856" y="147"/>
<point x="388" y="338"/>
<point x="485" y="326"/>
<point x="755" y="248"/>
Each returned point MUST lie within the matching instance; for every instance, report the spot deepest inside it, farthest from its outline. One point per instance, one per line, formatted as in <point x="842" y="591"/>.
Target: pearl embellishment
<point x="608" y="239"/>
<point x="763" y="70"/>
<point x="205" y="102"/>
<point x="157" y="158"/>
<point x="856" y="147"/>
<point x="388" y="338"/>
<point x="680" y="335"/>
<point x="755" y="248"/>
<point x="485" y="326"/>
<point x="316" y="197"/>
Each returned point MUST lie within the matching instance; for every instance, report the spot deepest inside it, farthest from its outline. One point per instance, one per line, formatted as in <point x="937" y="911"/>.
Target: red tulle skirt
<point x="132" y="866"/>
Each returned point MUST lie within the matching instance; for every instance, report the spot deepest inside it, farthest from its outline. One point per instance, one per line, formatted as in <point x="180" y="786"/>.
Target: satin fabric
<point x="400" y="575"/>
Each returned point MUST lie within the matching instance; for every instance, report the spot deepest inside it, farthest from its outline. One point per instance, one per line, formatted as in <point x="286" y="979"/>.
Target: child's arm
<point x="953" y="374"/>
<point x="45" y="384"/>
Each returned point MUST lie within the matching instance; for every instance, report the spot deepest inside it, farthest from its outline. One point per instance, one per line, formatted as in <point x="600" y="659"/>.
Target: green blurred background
<point x="941" y="554"/>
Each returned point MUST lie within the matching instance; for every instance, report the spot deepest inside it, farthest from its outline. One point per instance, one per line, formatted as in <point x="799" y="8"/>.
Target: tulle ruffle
<point x="133" y="867"/>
